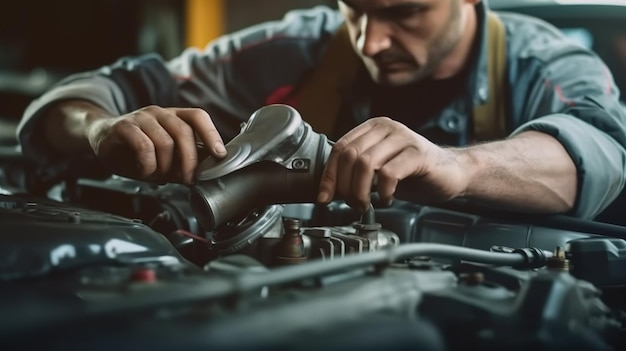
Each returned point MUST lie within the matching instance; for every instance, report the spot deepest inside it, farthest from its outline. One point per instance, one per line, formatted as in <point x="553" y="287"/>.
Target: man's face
<point x="403" y="41"/>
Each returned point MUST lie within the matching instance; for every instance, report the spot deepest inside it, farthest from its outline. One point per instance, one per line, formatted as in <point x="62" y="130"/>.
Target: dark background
<point x="41" y="41"/>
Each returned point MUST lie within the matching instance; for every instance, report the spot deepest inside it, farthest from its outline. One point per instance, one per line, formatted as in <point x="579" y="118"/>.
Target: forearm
<point x="529" y="172"/>
<point x="66" y="126"/>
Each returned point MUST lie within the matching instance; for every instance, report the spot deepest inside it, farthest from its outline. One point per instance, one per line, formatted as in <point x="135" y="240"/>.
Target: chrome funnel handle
<point x="273" y="133"/>
<point x="277" y="158"/>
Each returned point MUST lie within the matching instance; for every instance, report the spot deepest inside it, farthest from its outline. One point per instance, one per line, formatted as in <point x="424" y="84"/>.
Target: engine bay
<point x="110" y="262"/>
<point x="74" y="276"/>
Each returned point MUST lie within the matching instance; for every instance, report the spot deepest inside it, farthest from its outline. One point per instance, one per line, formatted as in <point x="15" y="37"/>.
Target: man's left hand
<point x="389" y="152"/>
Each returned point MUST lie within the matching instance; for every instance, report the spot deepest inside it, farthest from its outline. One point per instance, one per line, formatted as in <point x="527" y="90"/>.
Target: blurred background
<point x="42" y="41"/>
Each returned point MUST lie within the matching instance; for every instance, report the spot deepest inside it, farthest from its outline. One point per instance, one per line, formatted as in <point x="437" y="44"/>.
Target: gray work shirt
<point x="554" y="86"/>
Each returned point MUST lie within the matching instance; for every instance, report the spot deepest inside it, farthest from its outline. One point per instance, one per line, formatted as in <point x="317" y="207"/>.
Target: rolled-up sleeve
<point x="574" y="99"/>
<point x="98" y="90"/>
<point x="125" y="85"/>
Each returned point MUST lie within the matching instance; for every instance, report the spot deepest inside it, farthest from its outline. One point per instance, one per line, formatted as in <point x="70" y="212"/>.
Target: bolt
<point x="291" y="246"/>
<point x="299" y="164"/>
<point x="558" y="261"/>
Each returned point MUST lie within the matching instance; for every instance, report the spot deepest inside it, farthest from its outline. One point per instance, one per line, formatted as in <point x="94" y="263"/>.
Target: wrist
<point x="70" y="124"/>
<point x="469" y="165"/>
<point x="91" y="129"/>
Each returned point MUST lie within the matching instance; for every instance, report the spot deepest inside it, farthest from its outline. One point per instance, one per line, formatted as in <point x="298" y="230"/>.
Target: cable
<point x="191" y="235"/>
<point x="318" y="268"/>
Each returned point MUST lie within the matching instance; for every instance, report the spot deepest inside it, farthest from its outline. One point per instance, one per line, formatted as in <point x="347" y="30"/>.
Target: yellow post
<point x="204" y="21"/>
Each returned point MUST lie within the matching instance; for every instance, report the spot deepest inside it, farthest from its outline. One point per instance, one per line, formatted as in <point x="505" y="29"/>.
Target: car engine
<point x="245" y="260"/>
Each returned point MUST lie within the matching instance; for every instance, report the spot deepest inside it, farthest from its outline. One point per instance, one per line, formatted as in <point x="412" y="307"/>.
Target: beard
<point x="441" y="46"/>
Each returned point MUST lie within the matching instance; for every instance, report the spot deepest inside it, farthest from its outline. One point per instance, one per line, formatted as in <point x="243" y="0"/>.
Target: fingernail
<point x="323" y="197"/>
<point x="219" y="148"/>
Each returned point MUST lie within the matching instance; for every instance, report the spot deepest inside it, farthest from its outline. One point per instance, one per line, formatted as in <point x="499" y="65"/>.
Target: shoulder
<point x="240" y="71"/>
<point x="299" y="32"/>
<point x="532" y="38"/>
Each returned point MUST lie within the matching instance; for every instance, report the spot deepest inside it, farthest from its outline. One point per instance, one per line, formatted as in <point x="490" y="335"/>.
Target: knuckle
<point x="339" y="145"/>
<point x="197" y="114"/>
<point x="164" y="144"/>
<point x="381" y="121"/>
<point x="384" y="123"/>
<point x="150" y="109"/>
<point x="385" y="174"/>
<point x="122" y="124"/>
<point x="141" y="115"/>
<point x="363" y="161"/>
<point x="183" y="127"/>
<point x="200" y="113"/>
<point x="349" y="154"/>
<point x="144" y="147"/>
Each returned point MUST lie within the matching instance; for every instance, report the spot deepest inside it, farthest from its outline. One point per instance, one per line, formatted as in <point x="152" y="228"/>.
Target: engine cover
<point x="73" y="278"/>
<point x="41" y="236"/>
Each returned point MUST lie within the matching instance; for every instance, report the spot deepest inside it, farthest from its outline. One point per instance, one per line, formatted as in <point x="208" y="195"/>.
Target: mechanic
<point x="461" y="102"/>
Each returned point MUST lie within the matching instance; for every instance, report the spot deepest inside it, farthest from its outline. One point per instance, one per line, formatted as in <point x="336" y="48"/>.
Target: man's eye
<point x="400" y="13"/>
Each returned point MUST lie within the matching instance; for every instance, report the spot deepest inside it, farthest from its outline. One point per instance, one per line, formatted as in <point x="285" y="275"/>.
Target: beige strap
<point x="490" y="118"/>
<point x="319" y="99"/>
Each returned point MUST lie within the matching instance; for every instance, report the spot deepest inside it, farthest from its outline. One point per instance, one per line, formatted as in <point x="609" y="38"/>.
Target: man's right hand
<point x="152" y="143"/>
<point x="155" y="143"/>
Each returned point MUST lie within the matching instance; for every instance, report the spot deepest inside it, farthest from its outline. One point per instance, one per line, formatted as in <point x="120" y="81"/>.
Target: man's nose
<point x="373" y="36"/>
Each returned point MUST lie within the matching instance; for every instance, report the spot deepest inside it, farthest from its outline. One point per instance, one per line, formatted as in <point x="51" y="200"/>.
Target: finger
<point x="388" y="171"/>
<point x="361" y="129"/>
<point x="142" y="148"/>
<point x="329" y="175"/>
<point x="397" y="168"/>
<point x="201" y="123"/>
<point x="185" y="148"/>
<point x="328" y="178"/>
<point x="345" y="173"/>
<point x="368" y="164"/>
<point x="151" y="125"/>
<point x="357" y="167"/>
